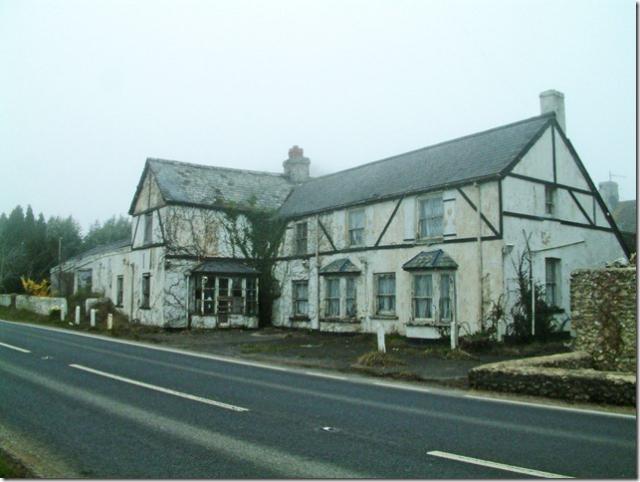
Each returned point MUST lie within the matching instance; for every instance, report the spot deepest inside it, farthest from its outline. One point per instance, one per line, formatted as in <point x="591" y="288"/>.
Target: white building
<point x="412" y="243"/>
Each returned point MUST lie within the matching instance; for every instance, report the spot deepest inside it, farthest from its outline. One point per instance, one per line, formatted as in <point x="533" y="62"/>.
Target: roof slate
<point x="340" y="266"/>
<point x="211" y="186"/>
<point x="103" y="248"/>
<point x="437" y="259"/>
<point x="224" y="266"/>
<point x="476" y="156"/>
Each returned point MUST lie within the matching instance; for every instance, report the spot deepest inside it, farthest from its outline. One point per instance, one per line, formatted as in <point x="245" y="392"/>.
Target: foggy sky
<point x="90" y="89"/>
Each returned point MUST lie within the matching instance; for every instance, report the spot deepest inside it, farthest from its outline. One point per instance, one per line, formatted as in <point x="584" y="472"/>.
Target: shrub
<point x="33" y="288"/>
<point x="378" y="359"/>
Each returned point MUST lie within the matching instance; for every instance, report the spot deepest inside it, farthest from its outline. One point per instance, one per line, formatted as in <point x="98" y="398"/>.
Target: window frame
<point x="419" y="221"/>
<point x="550" y="200"/>
<point x="553" y="296"/>
<point x="119" y="291"/>
<point x="436" y="296"/>
<point x="351" y="301"/>
<point x="148" y="228"/>
<point x="295" y="300"/>
<point x="145" y="294"/>
<point x="351" y="229"/>
<point x="331" y="302"/>
<point x="415" y="298"/>
<point x="378" y="295"/>
<point x="301" y="242"/>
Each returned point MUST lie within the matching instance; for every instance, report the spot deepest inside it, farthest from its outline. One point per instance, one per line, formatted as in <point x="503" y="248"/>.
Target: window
<point x="300" y="298"/>
<point x="146" y="290"/>
<point x="332" y="297"/>
<point x="148" y="228"/>
<point x="301" y="238"/>
<point x="549" y="200"/>
<point x="351" y="300"/>
<point x="446" y="295"/>
<point x="119" y="290"/>
<point x="84" y="280"/>
<point x="252" y="296"/>
<point x="431" y="212"/>
<point x="423" y="296"/>
<point x="386" y="294"/>
<point x="552" y="281"/>
<point x="237" y="300"/>
<point x="356" y="227"/>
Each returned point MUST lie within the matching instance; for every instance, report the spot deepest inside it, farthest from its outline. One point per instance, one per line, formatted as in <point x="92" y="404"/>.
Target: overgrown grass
<point x="378" y="359"/>
<point x="11" y="469"/>
<point x="263" y="347"/>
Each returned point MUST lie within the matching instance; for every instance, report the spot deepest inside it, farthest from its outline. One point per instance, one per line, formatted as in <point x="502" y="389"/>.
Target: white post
<point x="110" y="321"/>
<point x="381" y="345"/>
<point x="62" y="313"/>
<point x="93" y="317"/>
<point x="533" y="308"/>
<point x="77" y="314"/>
<point x="454" y="335"/>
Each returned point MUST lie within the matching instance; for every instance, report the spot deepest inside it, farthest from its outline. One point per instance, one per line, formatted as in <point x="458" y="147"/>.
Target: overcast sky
<point x="90" y="89"/>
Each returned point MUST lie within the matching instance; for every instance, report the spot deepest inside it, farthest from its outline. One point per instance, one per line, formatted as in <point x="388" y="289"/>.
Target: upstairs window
<point x="356" y="227"/>
<point x="386" y="294"/>
<point x="300" y="298"/>
<point x="552" y="281"/>
<point x="550" y="200"/>
<point x="430" y="216"/>
<point x="148" y="228"/>
<point x="301" y="238"/>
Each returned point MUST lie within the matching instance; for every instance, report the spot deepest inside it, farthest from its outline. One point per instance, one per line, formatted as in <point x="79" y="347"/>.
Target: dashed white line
<point x="6" y="345"/>
<point x="188" y="396"/>
<point x="496" y="465"/>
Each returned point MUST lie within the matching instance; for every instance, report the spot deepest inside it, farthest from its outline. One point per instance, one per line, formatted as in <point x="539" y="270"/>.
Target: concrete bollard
<point x="77" y="315"/>
<point x="110" y="321"/>
<point x="93" y="317"/>
<point x="381" y="344"/>
<point x="63" y="313"/>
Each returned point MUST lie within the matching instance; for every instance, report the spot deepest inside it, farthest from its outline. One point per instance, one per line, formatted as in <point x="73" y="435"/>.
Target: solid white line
<point x="325" y="375"/>
<point x="551" y="407"/>
<point x="496" y="465"/>
<point x="195" y="398"/>
<point x="405" y="387"/>
<point x="15" y="348"/>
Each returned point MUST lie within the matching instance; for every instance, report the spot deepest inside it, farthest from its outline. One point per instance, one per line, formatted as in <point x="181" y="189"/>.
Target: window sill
<point x="145" y="307"/>
<point x="119" y="306"/>
<point x="299" y="318"/>
<point x="432" y="240"/>
<point x="384" y="317"/>
<point x="428" y="323"/>
<point x="354" y="321"/>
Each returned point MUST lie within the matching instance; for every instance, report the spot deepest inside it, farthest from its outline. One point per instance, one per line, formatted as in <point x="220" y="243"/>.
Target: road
<point x="81" y="405"/>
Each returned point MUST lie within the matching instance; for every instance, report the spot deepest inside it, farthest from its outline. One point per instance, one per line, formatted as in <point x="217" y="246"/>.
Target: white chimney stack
<point x="553" y="101"/>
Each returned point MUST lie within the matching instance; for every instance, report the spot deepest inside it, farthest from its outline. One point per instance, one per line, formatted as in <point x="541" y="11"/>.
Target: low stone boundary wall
<point x="6" y="300"/>
<point x="39" y="304"/>
<point x="568" y="376"/>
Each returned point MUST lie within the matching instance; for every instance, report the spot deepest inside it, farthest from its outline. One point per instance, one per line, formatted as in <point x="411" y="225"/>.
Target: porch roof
<point x="340" y="266"/>
<point x="225" y="266"/>
<point x="437" y="259"/>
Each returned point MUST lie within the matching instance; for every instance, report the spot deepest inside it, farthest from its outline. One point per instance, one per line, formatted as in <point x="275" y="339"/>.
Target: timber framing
<point x="386" y="226"/>
<point x="475" y="208"/>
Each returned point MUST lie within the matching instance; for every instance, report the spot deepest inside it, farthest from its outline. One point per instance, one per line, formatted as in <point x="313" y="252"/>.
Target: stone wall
<point x="39" y="304"/>
<point x="566" y="376"/>
<point x="603" y="310"/>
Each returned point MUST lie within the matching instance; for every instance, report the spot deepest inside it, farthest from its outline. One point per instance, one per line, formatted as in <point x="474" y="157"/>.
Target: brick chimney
<point x="553" y="101"/>
<point x="296" y="168"/>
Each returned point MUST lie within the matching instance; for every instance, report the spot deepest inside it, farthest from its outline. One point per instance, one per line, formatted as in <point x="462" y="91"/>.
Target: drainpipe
<point x="480" y="264"/>
<point x="317" y="317"/>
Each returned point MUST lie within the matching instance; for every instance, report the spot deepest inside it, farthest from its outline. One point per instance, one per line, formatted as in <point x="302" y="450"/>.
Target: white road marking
<point x="325" y="375"/>
<point x="404" y="387"/>
<point x="496" y="465"/>
<point x="551" y="407"/>
<point x="6" y="345"/>
<point x="195" y="398"/>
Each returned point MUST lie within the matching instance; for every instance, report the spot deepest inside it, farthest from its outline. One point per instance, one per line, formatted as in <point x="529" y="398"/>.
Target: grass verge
<point x="10" y="468"/>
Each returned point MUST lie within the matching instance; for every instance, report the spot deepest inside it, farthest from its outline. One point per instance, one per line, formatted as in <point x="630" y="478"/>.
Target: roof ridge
<point x="504" y="126"/>
<point x="206" y="166"/>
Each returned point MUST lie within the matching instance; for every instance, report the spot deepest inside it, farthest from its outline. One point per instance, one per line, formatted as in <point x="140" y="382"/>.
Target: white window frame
<point x="419" y="220"/>
<point x="378" y="311"/>
<point x="436" y="296"/>
<point x="331" y="300"/>
<point x="295" y="300"/>
<point x="148" y="228"/>
<point x="553" y="296"/>
<point x="359" y="230"/>
<point x="550" y="200"/>
<point x="298" y="239"/>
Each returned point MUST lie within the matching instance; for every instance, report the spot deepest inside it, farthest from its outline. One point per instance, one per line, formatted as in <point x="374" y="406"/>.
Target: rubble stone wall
<point x="603" y="311"/>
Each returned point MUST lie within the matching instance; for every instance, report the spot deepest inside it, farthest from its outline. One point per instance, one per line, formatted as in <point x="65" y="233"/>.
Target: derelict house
<point x="411" y="243"/>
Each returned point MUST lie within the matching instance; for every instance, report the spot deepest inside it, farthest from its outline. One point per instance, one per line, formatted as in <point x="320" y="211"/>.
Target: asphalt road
<point x="79" y="405"/>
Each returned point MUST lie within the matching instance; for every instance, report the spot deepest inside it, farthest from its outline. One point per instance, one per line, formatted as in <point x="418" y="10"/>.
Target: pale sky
<point x="90" y="89"/>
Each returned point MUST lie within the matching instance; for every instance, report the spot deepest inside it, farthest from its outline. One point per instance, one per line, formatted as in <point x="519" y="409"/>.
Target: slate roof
<point x="103" y="248"/>
<point x="437" y="259"/>
<point x="210" y="186"/>
<point x="340" y="266"/>
<point x="625" y="216"/>
<point x="481" y="155"/>
<point x="224" y="266"/>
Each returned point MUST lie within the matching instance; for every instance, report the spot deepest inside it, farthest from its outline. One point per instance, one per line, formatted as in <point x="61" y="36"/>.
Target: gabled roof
<point x="437" y="259"/>
<point x="474" y="157"/>
<point x="624" y="215"/>
<point x="102" y="249"/>
<point x="215" y="187"/>
<point x="340" y="266"/>
<point x="225" y="266"/>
